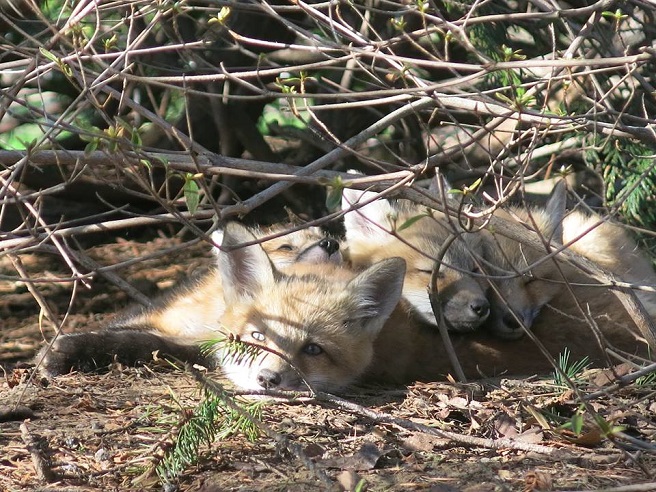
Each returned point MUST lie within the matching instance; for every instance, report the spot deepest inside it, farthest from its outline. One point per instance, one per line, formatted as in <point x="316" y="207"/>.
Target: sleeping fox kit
<point x="327" y="324"/>
<point x="556" y="300"/>
<point x="379" y="230"/>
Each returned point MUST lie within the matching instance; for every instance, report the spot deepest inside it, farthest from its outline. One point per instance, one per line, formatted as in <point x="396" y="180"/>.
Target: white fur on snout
<point x="421" y="303"/>
<point x="243" y="372"/>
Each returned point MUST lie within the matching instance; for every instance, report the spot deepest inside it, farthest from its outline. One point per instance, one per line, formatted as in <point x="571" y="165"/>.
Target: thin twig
<point x="39" y="450"/>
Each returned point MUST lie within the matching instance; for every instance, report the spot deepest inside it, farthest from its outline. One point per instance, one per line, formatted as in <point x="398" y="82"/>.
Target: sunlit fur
<point x="325" y="306"/>
<point x="370" y="238"/>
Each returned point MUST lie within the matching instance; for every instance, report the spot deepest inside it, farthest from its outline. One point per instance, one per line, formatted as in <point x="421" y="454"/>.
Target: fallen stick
<point x="39" y="450"/>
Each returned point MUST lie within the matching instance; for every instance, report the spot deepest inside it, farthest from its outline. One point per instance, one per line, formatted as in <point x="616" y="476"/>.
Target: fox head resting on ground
<point x="374" y="232"/>
<point x="318" y="321"/>
<point x="534" y="281"/>
<point x="525" y="280"/>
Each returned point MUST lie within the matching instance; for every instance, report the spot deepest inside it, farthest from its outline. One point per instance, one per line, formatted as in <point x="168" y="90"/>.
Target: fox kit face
<point x="530" y="283"/>
<point x="309" y="245"/>
<point x="517" y="300"/>
<point x="463" y="300"/>
<point x="318" y="321"/>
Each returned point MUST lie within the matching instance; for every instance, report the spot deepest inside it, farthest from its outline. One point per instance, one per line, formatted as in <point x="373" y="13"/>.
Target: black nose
<point x="481" y="307"/>
<point x="268" y="379"/>
<point x="511" y="322"/>
<point x="329" y="245"/>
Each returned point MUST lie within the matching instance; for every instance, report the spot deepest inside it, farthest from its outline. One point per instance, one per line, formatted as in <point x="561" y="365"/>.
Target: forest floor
<point x="104" y="432"/>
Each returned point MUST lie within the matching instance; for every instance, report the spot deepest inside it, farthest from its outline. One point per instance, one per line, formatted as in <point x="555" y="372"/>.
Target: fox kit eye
<point x="312" y="349"/>
<point x="285" y="247"/>
<point x="427" y="271"/>
<point x="258" y="336"/>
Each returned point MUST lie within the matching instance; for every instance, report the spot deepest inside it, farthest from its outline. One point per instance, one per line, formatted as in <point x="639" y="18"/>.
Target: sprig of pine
<point x="219" y="415"/>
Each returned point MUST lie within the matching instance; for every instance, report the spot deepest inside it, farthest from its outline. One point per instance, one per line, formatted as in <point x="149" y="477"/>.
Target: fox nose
<point x="330" y="246"/>
<point x="268" y="378"/>
<point x="480" y="307"/>
<point x="511" y="322"/>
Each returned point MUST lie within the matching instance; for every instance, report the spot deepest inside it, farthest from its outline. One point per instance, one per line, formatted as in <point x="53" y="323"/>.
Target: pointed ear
<point x="217" y="238"/>
<point x="556" y="207"/>
<point x="434" y="187"/>
<point x="376" y="292"/>
<point x="244" y="270"/>
<point x="364" y="223"/>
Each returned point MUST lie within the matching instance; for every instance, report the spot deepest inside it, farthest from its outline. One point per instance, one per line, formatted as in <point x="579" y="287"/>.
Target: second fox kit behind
<point x="374" y="232"/>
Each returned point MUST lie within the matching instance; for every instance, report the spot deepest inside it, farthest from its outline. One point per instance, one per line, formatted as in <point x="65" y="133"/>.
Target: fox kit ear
<point x="217" y="238"/>
<point x="364" y="223"/>
<point x="245" y="270"/>
<point x="434" y="187"/>
<point x="556" y="207"/>
<point x="377" y="291"/>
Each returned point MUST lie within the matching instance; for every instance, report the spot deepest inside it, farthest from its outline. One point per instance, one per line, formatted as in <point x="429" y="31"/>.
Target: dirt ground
<point x="104" y="432"/>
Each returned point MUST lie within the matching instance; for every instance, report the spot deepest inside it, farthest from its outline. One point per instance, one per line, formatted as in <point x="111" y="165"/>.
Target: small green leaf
<point x="504" y="98"/>
<point x="399" y="23"/>
<point x="66" y="69"/>
<point x="410" y="221"/>
<point x="473" y="187"/>
<point x="49" y="55"/>
<point x="334" y="196"/>
<point x="136" y="138"/>
<point x="577" y="423"/>
<point x="110" y="43"/>
<point x="191" y="193"/>
<point x="221" y="17"/>
<point x="361" y="486"/>
<point x="91" y="147"/>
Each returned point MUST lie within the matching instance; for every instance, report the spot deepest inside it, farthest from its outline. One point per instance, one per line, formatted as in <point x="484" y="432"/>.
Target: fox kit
<point x="540" y="298"/>
<point x="373" y="233"/>
<point x="187" y="314"/>
<point x="323" y="319"/>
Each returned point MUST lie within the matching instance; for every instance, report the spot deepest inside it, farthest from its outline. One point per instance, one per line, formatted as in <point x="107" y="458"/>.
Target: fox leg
<point x="96" y="350"/>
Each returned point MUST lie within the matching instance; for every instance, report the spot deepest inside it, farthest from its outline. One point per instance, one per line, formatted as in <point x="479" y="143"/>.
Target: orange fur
<point x="187" y="315"/>
<point x="193" y="310"/>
